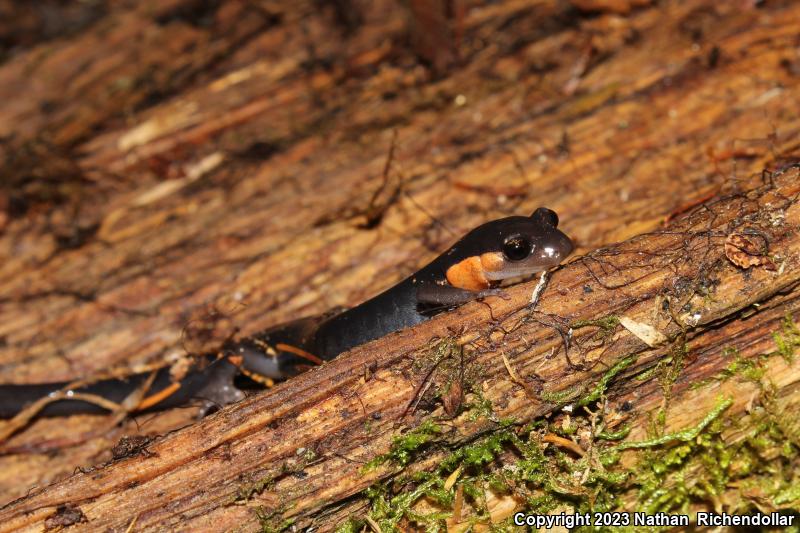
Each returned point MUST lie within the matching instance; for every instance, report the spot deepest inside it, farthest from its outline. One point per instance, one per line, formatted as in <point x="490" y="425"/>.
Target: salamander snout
<point x="554" y="248"/>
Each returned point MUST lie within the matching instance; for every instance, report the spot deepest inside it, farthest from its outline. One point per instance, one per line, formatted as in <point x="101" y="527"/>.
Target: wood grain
<point x="168" y="167"/>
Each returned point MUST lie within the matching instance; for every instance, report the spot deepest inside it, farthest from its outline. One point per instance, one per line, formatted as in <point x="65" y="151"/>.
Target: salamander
<point x="495" y="251"/>
<point x="471" y="269"/>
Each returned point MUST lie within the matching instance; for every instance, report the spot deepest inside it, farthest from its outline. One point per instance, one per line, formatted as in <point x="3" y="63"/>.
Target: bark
<point x="175" y="179"/>
<point x="302" y="447"/>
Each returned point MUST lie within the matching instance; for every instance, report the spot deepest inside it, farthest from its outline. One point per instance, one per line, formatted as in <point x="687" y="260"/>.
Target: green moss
<point x="547" y="478"/>
<point x="246" y="491"/>
<point x="477" y="454"/>
<point x="271" y="521"/>
<point x="672" y="365"/>
<point x="647" y="374"/>
<point x="668" y="370"/>
<point x="754" y="372"/>
<point x="674" y="480"/>
<point x="614" y="435"/>
<point x="441" y="363"/>
<point x="605" y="325"/>
<point x="602" y="385"/>
<point x="351" y="525"/>
<point x="562" y="396"/>
<point x="788" y="339"/>
<point x="571" y="393"/>
<point x="750" y="369"/>
<point x="404" y="447"/>
<point x="788" y="496"/>
<point x="673" y="472"/>
<point x="479" y="407"/>
<point x="686" y="435"/>
<point x="388" y="511"/>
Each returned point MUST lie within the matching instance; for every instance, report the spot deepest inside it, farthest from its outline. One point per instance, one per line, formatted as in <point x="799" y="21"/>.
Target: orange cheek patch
<point x="468" y="274"/>
<point x="492" y="261"/>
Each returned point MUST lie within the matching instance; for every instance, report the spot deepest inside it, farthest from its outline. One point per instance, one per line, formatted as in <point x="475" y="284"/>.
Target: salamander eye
<point x="516" y="248"/>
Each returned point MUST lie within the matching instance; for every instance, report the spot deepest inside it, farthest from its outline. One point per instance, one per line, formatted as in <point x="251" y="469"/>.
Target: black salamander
<point x="207" y="377"/>
<point x="472" y="268"/>
<point x="495" y="251"/>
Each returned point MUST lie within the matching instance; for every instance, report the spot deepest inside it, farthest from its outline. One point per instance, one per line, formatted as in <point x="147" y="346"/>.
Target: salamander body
<point x="472" y="268"/>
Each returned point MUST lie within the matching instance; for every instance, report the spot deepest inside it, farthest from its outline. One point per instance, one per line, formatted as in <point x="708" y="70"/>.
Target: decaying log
<point x="173" y="175"/>
<point x="302" y="447"/>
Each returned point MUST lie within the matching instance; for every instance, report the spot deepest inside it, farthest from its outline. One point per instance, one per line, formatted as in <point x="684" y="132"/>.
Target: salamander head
<point x="508" y="248"/>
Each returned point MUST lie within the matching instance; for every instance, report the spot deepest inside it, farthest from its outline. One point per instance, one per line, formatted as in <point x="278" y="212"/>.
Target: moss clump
<point x="751" y="369"/>
<point x="246" y="491"/>
<point x="479" y="407"/>
<point x="561" y="397"/>
<point x="351" y="525"/>
<point x="601" y="386"/>
<point x="676" y="472"/>
<point x="271" y="521"/>
<point x="479" y="453"/>
<point x="387" y="511"/>
<point x="404" y="447"/>
<point x="686" y="435"/>
<point x="705" y="469"/>
<point x="607" y="323"/>
<point x="788" y="339"/>
<point x="571" y="393"/>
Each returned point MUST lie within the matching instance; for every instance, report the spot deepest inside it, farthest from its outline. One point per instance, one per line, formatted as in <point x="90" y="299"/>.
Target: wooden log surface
<point x="329" y="422"/>
<point x="168" y="167"/>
